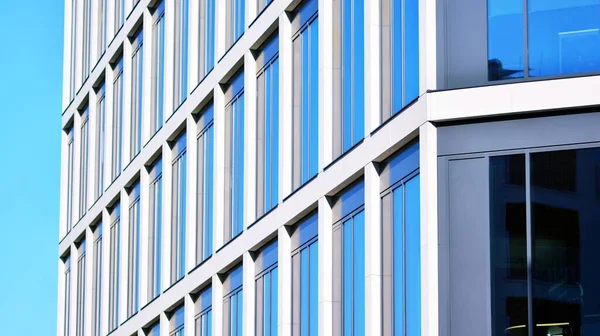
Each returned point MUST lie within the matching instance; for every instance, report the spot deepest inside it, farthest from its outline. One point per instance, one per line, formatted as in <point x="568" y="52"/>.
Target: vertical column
<point x="428" y="51"/>
<point x="169" y="57"/>
<point x="249" y="297"/>
<point x="285" y="106"/>
<point x="192" y="176"/>
<point x="325" y="268"/>
<point x="193" y="42"/>
<point x="147" y="98"/>
<point x="189" y="315"/>
<point x="251" y="7"/>
<point x="167" y="182"/>
<point x="92" y="141"/>
<point x="64" y="167"/>
<point x="124" y="257"/>
<point x="79" y="51"/>
<point x="217" y="305"/>
<point x="110" y="21"/>
<point x="373" y="250"/>
<point x="164" y="324"/>
<point x="250" y="140"/>
<point x="220" y="28"/>
<point x="89" y="281"/>
<point x="429" y="229"/>
<point x="325" y="82"/>
<point x="105" y="270"/>
<point x="144" y="258"/>
<point x="94" y="22"/>
<point x="219" y="165"/>
<point x="284" y="290"/>
<point x="372" y="66"/>
<point x="126" y="126"/>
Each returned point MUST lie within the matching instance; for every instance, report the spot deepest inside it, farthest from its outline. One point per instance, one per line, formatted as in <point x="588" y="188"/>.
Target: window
<point x="100" y="140"/>
<point x="73" y="67"/>
<point x="87" y="38"/>
<point x="399" y="55"/>
<point x="70" y="178"/>
<point x="102" y="19"/>
<point x="267" y="172"/>
<point x="234" y="158"/>
<point x="538" y="38"/>
<point x="178" y="213"/>
<point x="349" y="75"/>
<point x="305" y="277"/>
<point x="133" y="280"/>
<point x="305" y="139"/>
<point x="233" y="303"/>
<point x="262" y="4"/>
<point x="205" y="185"/>
<point x="67" y="311"/>
<point x="117" y="131"/>
<point x="401" y="277"/>
<point x="119" y="14"/>
<point x="84" y="158"/>
<point x="236" y="17"/>
<point x="81" y="268"/>
<point x="349" y="261"/>
<point x="266" y="290"/>
<point x="154" y="330"/>
<point x="203" y="307"/>
<point x="114" y="264"/>
<point x="137" y="93"/>
<point x="206" y="45"/>
<point x="97" y="282"/>
<point x="177" y="322"/>
<point x="181" y="53"/>
<point x="158" y="67"/>
<point x="155" y="230"/>
<point x="543" y="235"/>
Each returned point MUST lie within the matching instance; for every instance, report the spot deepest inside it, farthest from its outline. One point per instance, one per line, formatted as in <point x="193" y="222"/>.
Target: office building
<point x="330" y="167"/>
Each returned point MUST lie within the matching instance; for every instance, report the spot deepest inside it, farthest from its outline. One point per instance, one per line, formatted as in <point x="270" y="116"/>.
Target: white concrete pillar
<point x="147" y="98"/>
<point x="325" y="268"/>
<point x="250" y="139"/>
<point x="169" y="58"/>
<point x="428" y="42"/>
<point x="285" y="106"/>
<point x="217" y="305"/>
<point x="284" y="290"/>
<point x="249" y="295"/>
<point x="89" y="281"/>
<point x="189" y="315"/>
<point x="105" y="270"/>
<point x="219" y="167"/>
<point x="193" y="42"/>
<point x="325" y="83"/>
<point x="373" y="245"/>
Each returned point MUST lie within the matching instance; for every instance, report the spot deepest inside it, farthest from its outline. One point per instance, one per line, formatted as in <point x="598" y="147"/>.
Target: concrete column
<point x="325" y="83"/>
<point x="325" y="268"/>
<point x="219" y="165"/>
<point x="217" y="305"/>
<point x="285" y="106"/>
<point x="249" y="295"/>
<point x="192" y="176"/>
<point x="428" y="42"/>
<point x="373" y="245"/>
<point x="147" y="76"/>
<point x="284" y="290"/>
<point x="372" y="66"/>
<point x="250" y="138"/>
<point x="169" y="58"/>
<point x="189" y="315"/>
<point x="167" y="181"/>
<point x="429" y="229"/>
<point x="220" y="29"/>
<point x="164" y="324"/>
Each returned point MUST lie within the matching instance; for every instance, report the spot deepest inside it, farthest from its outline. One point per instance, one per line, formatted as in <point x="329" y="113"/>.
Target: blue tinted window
<point x="235" y="157"/>
<point x="181" y="52"/>
<point x="205" y="188"/>
<point x="204" y="310"/>
<point x="158" y="67"/>
<point x="155" y="230"/>
<point x="179" y="207"/>
<point x="177" y="322"/>
<point x="137" y="94"/>
<point x="233" y="303"/>
<point x="266" y="289"/>
<point x="206" y="51"/>
<point x="305" y="277"/>
<point x="236" y="20"/>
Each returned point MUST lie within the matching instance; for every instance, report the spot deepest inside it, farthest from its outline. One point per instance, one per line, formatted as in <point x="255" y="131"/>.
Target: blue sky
<point x="31" y="47"/>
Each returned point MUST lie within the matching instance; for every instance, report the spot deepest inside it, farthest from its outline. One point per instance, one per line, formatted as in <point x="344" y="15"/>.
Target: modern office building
<point x="330" y="167"/>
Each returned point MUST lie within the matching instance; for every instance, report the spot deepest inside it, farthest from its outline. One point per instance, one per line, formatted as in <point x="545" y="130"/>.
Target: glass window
<point x="262" y="4"/>
<point x="84" y="160"/>
<point x="401" y="275"/>
<point x="305" y="277"/>
<point x="542" y="38"/>
<point x="181" y="53"/>
<point x="97" y="282"/>
<point x="305" y="141"/>
<point x="70" y="178"/>
<point x="236" y="18"/>
<point x="266" y="290"/>
<point x="399" y="55"/>
<point x="119" y="14"/>
<point x="133" y="279"/>
<point x="233" y="303"/>
<point x="205" y="184"/>
<point x="137" y="93"/>
<point x="155" y="229"/>
<point x="206" y="34"/>
<point x="349" y="74"/>
<point x="87" y="38"/>
<point x="67" y="311"/>
<point x="100" y="140"/>
<point x="102" y="19"/>
<point x="114" y="268"/>
<point x="117" y="132"/>
<point x="73" y="40"/>
<point x="81" y="292"/>
<point x="158" y="67"/>
<point x="234" y="158"/>
<point x="349" y="261"/>
<point x="267" y="172"/>
<point x="154" y="330"/>
<point x="203" y="320"/>
<point x="178" y="212"/>
<point x="177" y="322"/>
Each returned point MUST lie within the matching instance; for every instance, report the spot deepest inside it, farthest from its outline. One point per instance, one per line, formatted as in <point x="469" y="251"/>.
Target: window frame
<point x="114" y="266"/>
<point x="155" y="225"/>
<point x="179" y="208"/>
<point x="100" y="140"/>
<point x="84" y="160"/>
<point x="97" y="281"/>
<point x="180" y="52"/>
<point x="117" y="120"/>
<point x="137" y="93"/>
<point x="158" y="68"/>
<point x="81" y="289"/>
<point x="134" y="253"/>
<point x="205" y="140"/>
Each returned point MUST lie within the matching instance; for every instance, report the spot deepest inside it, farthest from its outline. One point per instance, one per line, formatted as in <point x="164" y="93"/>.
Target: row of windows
<point x="348" y="103"/>
<point x="400" y="248"/>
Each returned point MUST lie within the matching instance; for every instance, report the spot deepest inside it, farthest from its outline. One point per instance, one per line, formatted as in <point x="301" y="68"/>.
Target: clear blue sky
<point x="31" y="47"/>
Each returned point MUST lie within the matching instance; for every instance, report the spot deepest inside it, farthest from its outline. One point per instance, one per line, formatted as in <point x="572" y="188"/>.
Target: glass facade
<point x="84" y="161"/>
<point x="233" y="303"/>
<point x="114" y="268"/>
<point x="133" y="280"/>
<point x="178" y="211"/>
<point x="87" y="38"/>
<point x="305" y="142"/>
<point x="81" y="291"/>
<point x="203" y="319"/>
<point x="266" y="290"/>
<point x="117" y="120"/>
<point x="205" y="187"/>
<point x="67" y="296"/>
<point x="97" y="282"/>
<point x="70" y="178"/>
<point x="236" y="21"/>
<point x="137" y="93"/>
<point x="155" y="230"/>
<point x="348" y="74"/>
<point x="100" y="140"/>
<point x="206" y="34"/>
<point x="177" y="322"/>
<point x="158" y="68"/>
<point x="180" y="84"/>
<point x="305" y="277"/>
<point x="267" y="170"/>
<point x="234" y="158"/>
<point x="119" y="11"/>
<point x="102" y="24"/>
